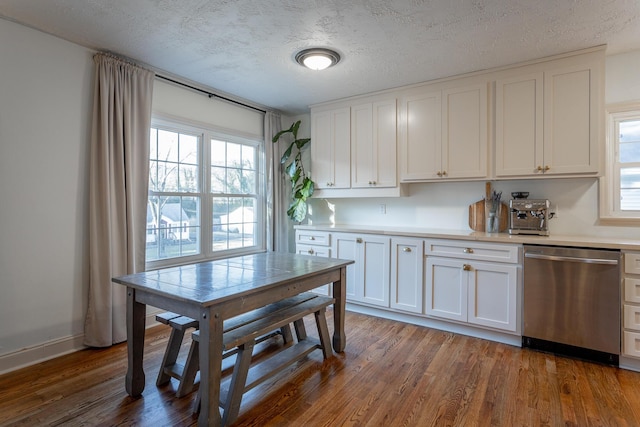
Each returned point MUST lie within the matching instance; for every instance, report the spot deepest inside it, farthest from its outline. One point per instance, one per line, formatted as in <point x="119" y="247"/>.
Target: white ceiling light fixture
<point x="317" y="58"/>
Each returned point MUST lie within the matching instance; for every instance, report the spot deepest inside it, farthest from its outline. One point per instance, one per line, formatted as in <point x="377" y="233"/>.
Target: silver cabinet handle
<point x="406" y="249"/>
<point x="468" y="250"/>
<point x="312" y="238"/>
<point x="310" y="251"/>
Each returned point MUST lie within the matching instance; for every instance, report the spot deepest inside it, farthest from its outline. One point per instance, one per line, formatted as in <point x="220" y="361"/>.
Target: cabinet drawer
<point x="631" y="290"/>
<point x="632" y="317"/>
<point x="473" y="250"/>
<point x="632" y="262"/>
<point x="631" y="344"/>
<point x="315" y="238"/>
<point x="321" y="251"/>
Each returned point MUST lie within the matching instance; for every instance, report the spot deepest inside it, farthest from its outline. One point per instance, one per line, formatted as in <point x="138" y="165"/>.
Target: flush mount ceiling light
<point x="317" y="58"/>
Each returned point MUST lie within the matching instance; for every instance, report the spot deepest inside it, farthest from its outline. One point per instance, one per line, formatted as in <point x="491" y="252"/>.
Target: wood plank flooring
<point x="391" y="374"/>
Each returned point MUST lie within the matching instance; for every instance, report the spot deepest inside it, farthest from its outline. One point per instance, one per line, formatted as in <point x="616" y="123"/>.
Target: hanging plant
<point x="301" y="185"/>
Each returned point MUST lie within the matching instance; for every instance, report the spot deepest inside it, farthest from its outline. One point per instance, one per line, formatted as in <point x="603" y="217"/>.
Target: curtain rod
<point x="209" y="94"/>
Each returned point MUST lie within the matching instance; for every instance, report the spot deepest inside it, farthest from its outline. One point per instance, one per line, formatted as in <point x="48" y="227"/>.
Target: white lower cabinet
<point x="631" y="305"/>
<point x="472" y="283"/>
<point x="314" y="243"/>
<point x="368" y="278"/>
<point x="407" y="272"/>
<point x="471" y="291"/>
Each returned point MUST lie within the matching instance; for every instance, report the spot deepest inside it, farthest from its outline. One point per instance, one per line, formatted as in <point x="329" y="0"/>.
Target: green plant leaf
<point x="287" y="154"/>
<point x="294" y="129"/>
<point x="307" y="188"/>
<point x="298" y="210"/>
<point x="300" y="143"/>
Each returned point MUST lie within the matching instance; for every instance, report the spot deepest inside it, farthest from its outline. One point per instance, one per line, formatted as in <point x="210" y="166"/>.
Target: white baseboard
<point x="55" y="348"/>
<point x="39" y="353"/>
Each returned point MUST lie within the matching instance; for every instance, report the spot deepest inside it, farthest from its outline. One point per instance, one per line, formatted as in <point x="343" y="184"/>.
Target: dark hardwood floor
<point x="391" y="374"/>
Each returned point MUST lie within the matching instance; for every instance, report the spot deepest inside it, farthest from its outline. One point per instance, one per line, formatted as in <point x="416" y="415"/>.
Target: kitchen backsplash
<point x="445" y="205"/>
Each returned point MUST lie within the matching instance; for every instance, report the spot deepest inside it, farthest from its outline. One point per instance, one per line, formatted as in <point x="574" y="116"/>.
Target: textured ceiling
<point x="246" y="47"/>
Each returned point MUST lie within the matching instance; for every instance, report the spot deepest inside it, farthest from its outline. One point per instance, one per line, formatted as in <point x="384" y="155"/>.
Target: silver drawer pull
<point x="312" y="238"/>
<point x="468" y="251"/>
<point x="406" y="249"/>
<point x="310" y="251"/>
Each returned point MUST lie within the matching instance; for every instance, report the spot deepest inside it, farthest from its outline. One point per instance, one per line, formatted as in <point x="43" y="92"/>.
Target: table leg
<point x="340" y="294"/>
<point x="136" y="313"/>
<point x="211" y="331"/>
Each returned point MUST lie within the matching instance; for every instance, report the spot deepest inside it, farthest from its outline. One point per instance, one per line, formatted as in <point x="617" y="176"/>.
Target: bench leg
<point x="191" y="367"/>
<point x="238" y="382"/>
<point x="286" y="333"/>
<point x="170" y="355"/>
<point x="323" y="332"/>
<point x="301" y="331"/>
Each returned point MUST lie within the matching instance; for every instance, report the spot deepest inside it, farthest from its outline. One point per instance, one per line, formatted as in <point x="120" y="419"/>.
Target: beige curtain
<point x="277" y="195"/>
<point x="118" y="184"/>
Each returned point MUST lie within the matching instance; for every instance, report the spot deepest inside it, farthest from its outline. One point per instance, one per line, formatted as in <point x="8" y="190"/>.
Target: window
<point x="205" y="194"/>
<point x="621" y="191"/>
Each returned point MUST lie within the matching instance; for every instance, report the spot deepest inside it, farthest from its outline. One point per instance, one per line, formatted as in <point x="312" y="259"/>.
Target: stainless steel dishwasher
<point x="572" y="301"/>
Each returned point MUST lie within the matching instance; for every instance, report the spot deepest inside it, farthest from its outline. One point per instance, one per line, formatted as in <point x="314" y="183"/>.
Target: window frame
<point x="610" y="212"/>
<point x="206" y="133"/>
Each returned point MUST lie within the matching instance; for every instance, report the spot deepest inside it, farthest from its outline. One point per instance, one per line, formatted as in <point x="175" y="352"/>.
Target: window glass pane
<point x="218" y="153"/>
<point x="167" y="146"/>
<point x="248" y="182"/>
<point x="630" y="199"/>
<point x="234" y="158"/>
<point x="218" y="180"/>
<point x="188" y="178"/>
<point x="189" y="149"/>
<point x="630" y="189"/>
<point x="173" y="225"/>
<point x="629" y="141"/>
<point x="248" y="157"/>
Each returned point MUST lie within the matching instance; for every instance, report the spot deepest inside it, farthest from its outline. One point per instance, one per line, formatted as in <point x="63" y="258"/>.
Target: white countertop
<point x="553" y="240"/>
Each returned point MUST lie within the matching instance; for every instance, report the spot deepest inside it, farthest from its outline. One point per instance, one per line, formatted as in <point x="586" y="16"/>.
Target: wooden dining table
<point x="213" y="291"/>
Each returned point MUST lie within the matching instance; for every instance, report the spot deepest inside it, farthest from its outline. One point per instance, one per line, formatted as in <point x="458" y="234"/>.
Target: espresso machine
<point x="528" y="216"/>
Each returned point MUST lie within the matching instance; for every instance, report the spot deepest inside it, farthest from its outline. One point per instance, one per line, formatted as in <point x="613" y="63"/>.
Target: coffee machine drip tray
<point x="529" y="217"/>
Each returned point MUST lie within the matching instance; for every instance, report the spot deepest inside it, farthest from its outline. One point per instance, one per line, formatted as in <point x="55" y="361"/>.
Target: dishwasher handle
<point x="571" y="259"/>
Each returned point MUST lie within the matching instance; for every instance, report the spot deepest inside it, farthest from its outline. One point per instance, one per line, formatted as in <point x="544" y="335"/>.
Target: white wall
<point x="45" y="111"/>
<point x="444" y="205"/>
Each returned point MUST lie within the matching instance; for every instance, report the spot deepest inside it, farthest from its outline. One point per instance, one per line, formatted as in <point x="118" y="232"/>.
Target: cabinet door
<point x="464" y="132"/>
<point x="420" y="136"/>
<point x="373" y="144"/>
<point x="446" y="288"/>
<point x="570" y="121"/>
<point x="407" y="274"/>
<point x="492" y="295"/>
<point x="374" y="262"/>
<point x="362" y="146"/>
<point x="519" y="125"/>
<point x="330" y="148"/>
<point x="345" y="247"/>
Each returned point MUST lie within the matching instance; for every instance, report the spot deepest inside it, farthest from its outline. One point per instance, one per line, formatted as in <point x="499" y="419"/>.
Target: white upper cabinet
<point x="373" y="144"/>
<point x="354" y="148"/>
<point x="330" y="148"/>
<point x="443" y="133"/>
<point x="548" y="122"/>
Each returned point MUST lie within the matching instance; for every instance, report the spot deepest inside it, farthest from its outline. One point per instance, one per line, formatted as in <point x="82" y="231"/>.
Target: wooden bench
<point x="243" y="337"/>
<point x="186" y="373"/>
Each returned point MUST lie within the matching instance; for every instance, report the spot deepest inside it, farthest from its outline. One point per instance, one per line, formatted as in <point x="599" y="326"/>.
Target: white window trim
<point x="610" y="213"/>
<point x="205" y="131"/>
